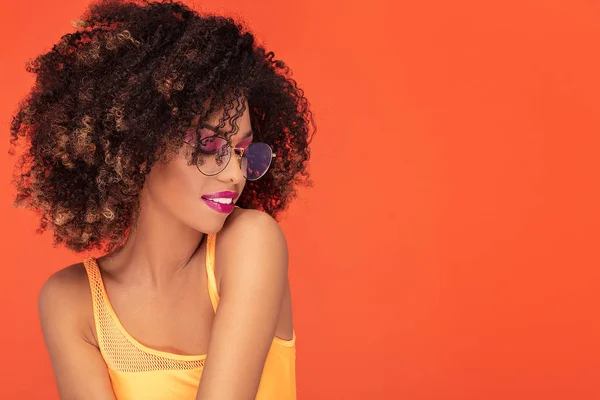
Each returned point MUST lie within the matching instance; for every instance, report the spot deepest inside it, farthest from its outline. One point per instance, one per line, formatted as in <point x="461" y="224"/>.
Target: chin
<point x="209" y="223"/>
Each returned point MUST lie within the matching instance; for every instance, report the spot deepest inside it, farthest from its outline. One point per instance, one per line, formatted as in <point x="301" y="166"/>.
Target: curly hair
<point x="116" y="95"/>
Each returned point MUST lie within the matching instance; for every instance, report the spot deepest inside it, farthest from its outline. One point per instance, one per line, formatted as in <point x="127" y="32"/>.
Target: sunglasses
<point x="215" y="153"/>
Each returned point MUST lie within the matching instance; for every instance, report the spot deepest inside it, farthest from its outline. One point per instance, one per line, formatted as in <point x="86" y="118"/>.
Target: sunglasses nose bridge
<point x="239" y="153"/>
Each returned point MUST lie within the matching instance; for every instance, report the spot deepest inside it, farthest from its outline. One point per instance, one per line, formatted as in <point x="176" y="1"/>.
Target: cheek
<point x="177" y="186"/>
<point x="186" y="180"/>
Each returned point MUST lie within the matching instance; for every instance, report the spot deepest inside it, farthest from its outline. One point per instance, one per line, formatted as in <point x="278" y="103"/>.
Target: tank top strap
<point x="210" y="270"/>
<point x="97" y="290"/>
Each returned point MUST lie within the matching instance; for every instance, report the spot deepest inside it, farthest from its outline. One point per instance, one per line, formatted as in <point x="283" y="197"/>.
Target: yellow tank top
<point x="139" y="372"/>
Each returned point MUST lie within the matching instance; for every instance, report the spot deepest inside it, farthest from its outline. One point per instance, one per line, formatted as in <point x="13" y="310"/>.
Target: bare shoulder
<point x="65" y="298"/>
<point x="251" y="240"/>
<point x="253" y="233"/>
<point x="245" y="221"/>
<point x="67" y="287"/>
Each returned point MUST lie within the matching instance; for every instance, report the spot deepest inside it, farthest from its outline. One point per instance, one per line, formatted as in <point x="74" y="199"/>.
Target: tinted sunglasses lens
<point x="214" y="155"/>
<point x="256" y="161"/>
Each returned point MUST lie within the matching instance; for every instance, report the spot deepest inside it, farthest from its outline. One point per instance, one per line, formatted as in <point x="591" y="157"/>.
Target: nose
<point x="233" y="171"/>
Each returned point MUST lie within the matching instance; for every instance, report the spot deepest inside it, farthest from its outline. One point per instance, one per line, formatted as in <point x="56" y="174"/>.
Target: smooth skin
<point x="162" y="299"/>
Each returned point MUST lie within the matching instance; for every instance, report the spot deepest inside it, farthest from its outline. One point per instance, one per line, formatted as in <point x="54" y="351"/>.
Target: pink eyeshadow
<point x="245" y="143"/>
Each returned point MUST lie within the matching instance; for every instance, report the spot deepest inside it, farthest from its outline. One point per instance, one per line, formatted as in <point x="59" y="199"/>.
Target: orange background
<point x="449" y="249"/>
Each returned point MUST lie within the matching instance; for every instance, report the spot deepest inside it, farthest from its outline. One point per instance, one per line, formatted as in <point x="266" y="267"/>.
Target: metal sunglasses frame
<point x="235" y="150"/>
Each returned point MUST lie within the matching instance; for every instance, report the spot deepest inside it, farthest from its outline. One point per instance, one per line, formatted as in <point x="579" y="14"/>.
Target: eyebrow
<point x="215" y="130"/>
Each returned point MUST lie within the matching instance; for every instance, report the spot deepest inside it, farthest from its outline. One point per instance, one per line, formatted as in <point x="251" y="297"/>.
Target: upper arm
<point x="64" y="305"/>
<point x="253" y="261"/>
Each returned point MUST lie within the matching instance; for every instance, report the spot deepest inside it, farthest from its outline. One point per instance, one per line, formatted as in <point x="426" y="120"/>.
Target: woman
<point x="170" y="141"/>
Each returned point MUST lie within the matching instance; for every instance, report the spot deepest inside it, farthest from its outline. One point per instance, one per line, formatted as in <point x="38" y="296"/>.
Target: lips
<point x="227" y="194"/>
<point x="221" y="202"/>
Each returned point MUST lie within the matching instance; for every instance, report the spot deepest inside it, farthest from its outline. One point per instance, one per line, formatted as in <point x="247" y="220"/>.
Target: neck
<point x="158" y="249"/>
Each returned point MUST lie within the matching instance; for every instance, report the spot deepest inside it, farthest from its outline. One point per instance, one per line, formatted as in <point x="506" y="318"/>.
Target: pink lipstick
<point x="221" y="201"/>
